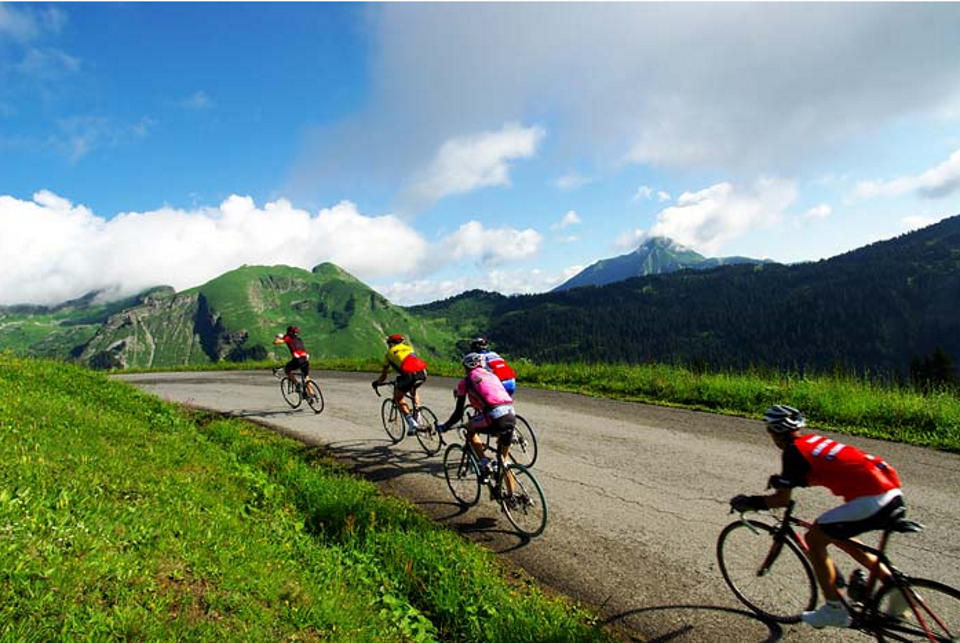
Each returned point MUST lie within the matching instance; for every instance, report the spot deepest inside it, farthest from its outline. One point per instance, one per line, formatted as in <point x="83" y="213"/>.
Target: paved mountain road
<point x="637" y="495"/>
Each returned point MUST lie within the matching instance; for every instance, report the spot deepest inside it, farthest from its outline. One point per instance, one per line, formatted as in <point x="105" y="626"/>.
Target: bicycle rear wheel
<point x="290" y="392"/>
<point x="427" y="434"/>
<point x="314" y="396"/>
<point x="771" y="577"/>
<point x="936" y="618"/>
<point x="393" y="420"/>
<point x="527" y="509"/>
<point x="462" y="474"/>
<point x="523" y="445"/>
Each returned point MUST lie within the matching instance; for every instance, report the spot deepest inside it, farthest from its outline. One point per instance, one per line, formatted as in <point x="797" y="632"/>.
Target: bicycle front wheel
<point x="935" y="618"/>
<point x="427" y="434"/>
<point x="314" y="396"/>
<point x="462" y="474"/>
<point x="393" y="420"/>
<point x="527" y="508"/>
<point x="288" y="388"/>
<point x="771" y="577"/>
<point x="523" y="444"/>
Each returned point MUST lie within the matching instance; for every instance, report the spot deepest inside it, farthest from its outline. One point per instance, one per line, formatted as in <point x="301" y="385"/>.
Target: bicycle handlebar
<point x="376" y="387"/>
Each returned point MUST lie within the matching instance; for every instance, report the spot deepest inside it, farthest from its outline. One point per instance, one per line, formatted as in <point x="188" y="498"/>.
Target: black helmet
<point x="782" y="419"/>
<point x="478" y="344"/>
<point x="293" y="330"/>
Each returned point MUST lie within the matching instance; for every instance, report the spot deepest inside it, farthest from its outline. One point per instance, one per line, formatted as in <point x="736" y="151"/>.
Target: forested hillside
<point x="874" y="309"/>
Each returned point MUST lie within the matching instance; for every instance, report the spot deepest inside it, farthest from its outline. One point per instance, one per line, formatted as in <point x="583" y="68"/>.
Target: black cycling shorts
<point x="851" y="528"/>
<point x="503" y="425"/>
<point x="301" y="363"/>
<point x="408" y="381"/>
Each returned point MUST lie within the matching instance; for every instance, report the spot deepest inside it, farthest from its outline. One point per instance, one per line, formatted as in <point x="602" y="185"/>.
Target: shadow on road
<point x="262" y="413"/>
<point x="691" y="621"/>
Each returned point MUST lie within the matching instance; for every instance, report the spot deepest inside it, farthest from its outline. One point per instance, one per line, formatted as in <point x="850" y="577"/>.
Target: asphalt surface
<point x="637" y="495"/>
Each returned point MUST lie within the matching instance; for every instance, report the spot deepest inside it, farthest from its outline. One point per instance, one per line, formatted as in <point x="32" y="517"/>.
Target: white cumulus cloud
<point x="472" y="162"/>
<point x="491" y="247"/>
<point x="821" y="211"/>
<point x="52" y="250"/>
<point x="707" y="219"/>
<point x="937" y="182"/>
<point x="569" y="219"/>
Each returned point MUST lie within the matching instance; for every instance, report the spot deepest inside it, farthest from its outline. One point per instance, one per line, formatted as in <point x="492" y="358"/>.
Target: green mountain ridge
<point x="655" y="256"/>
<point x="233" y="317"/>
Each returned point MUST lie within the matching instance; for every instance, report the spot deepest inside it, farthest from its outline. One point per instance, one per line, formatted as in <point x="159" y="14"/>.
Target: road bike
<point x="768" y="568"/>
<point x="295" y="391"/>
<point x="395" y="423"/>
<point x="526" y="508"/>
<point x="523" y="443"/>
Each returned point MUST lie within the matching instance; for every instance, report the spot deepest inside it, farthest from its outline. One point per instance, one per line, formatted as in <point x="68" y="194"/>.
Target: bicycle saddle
<point x="899" y="523"/>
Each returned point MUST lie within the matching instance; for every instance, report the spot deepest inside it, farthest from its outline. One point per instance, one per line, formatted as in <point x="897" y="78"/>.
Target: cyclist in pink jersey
<point x="869" y="486"/>
<point x="493" y="411"/>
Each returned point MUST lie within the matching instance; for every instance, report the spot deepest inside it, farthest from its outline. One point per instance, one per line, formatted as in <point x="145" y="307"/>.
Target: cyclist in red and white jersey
<point x="299" y="359"/>
<point x="495" y="364"/>
<point x="869" y="486"/>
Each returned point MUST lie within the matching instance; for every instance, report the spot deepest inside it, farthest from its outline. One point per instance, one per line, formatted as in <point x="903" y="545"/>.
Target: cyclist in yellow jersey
<point x="411" y="373"/>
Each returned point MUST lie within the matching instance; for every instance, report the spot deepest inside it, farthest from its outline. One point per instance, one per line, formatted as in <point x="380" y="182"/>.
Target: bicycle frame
<point x="409" y="395"/>
<point x="866" y="614"/>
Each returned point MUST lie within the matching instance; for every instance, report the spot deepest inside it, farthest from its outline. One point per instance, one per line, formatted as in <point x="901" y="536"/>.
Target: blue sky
<point x="430" y="148"/>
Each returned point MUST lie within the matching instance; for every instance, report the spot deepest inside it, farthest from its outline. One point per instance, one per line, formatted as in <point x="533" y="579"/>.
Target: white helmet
<point x="782" y="419"/>
<point x="472" y="360"/>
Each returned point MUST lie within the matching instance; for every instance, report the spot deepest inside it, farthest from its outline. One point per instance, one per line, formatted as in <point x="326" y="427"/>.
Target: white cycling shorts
<point x="859" y="508"/>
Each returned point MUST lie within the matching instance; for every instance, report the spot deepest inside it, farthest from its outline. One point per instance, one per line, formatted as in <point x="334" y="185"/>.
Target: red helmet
<point x="293" y="330"/>
<point x="395" y="339"/>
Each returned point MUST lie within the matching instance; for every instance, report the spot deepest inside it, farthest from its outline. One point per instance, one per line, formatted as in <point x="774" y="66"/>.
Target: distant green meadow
<point x="126" y="518"/>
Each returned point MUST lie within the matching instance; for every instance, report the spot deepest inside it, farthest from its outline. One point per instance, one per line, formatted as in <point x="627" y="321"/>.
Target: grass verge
<point x="123" y="517"/>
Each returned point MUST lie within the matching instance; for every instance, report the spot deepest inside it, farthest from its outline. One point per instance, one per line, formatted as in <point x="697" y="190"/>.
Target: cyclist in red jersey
<point x="299" y="359"/>
<point x="869" y="486"/>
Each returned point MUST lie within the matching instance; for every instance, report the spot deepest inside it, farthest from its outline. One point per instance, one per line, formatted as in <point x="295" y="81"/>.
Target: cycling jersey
<point x="488" y="396"/>
<point x="812" y="460"/>
<point x="403" y="359"/>
<point x="295" y="344"/>
<point x="499" y="367"/>
<point x="484" y="390"/>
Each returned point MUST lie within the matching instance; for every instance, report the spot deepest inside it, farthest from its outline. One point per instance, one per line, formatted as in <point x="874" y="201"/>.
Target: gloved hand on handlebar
<point x="744" y="503"/>
<point x="375" y="384"/>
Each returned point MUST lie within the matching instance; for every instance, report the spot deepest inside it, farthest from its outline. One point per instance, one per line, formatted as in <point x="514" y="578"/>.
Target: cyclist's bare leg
<point x="503" y="448"/>
<point x="398" y="397"/>
<point x="823" y="566"/>
<point x="866" y="559"/>
<point x="476" y="443"/>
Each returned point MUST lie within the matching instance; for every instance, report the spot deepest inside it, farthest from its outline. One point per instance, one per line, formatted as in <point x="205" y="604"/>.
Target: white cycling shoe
<point x="897" y="606"/>
<point x="827" y="615"/>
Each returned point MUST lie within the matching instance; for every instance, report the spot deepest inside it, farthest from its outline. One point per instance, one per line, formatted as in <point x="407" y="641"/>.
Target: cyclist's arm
<point x="383" y="372"/>
<point x="457" y="412"/>
<point x="793" y="474"/>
